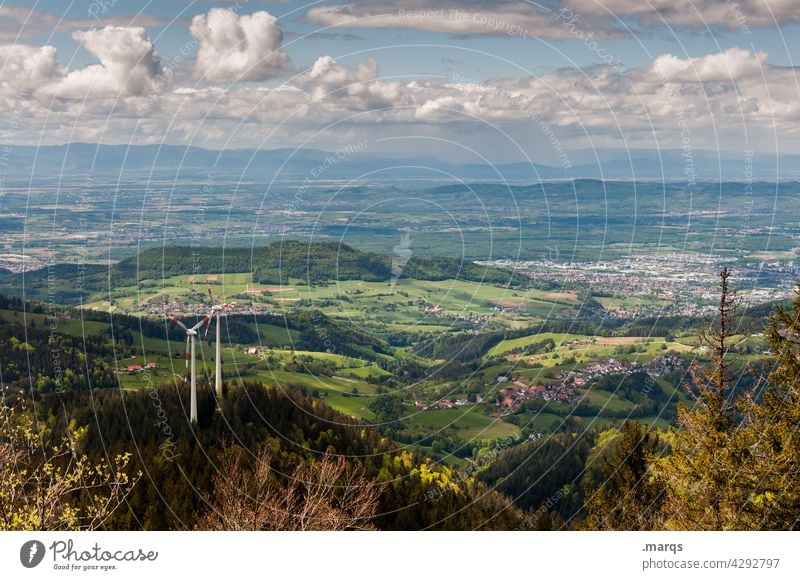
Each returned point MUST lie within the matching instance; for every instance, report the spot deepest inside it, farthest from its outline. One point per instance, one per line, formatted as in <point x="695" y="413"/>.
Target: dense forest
<point x="176" y="464"/>
<point x="279" y="263"/>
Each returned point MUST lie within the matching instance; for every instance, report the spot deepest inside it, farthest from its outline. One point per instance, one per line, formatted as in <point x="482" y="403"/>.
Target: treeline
<point x="460" y="347"/>
<point x="278" y="263"/>
<point x="39" y="357"/>
<point x="544" y="473"/>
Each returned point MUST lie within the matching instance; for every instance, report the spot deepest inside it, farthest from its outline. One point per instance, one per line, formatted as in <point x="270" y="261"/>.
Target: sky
<point x="465" y="80"/>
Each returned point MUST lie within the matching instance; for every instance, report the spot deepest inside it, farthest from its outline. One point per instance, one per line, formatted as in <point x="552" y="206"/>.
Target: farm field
<point x="469" y="424"/>
<point x="407" y="304"/>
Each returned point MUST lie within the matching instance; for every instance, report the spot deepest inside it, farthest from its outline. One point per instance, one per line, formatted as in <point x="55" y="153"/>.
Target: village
<point x="513" y="391"/>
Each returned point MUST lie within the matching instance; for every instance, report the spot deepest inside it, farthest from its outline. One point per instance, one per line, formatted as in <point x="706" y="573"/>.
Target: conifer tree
<point x="773" y="475"/>
<point x="702" y="473"/>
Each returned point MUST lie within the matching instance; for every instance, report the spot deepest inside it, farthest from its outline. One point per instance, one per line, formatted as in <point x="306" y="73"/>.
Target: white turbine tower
<point x="216" y="311"/>
<point x="191" y="337"/>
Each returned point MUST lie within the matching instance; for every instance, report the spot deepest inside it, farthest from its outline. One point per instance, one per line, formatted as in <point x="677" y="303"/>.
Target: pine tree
<point x="702" y="473"/>
<point x="773" y="477"/>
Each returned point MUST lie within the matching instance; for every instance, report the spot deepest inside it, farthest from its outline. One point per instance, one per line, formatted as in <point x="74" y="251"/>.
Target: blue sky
<point x="636" y="48"/>
<point x="516" y="78"/>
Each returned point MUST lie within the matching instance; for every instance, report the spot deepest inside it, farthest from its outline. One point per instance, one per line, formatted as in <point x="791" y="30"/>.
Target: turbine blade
<point x="176" y="321"/>
<point x="187" y="355"/>
<point x="208" y="327"/>
<point x="201" y="323"/>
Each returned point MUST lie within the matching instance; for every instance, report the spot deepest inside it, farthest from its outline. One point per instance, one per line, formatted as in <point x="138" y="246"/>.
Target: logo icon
<point x="31" y="553"/>
<point x="402" y="254"/>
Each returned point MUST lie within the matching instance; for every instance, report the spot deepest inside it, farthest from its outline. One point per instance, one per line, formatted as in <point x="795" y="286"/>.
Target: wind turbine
<point x="191" y="337"/>
<point x="216" y="310"/>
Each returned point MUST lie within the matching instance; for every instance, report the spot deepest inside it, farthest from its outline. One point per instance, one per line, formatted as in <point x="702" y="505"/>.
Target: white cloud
<point x="129" y="66"/>
<point x="718" y="97"/>
<point x="498" y="18"/>
<point x="694" y="13"/>
<point x="238" y="48"/>
<point x="20" y="23"/>
<point x="355" y="88"/>
<point x="731" y="65"/>
<point x="521" y="18"/>
<point x="27" y="67"/>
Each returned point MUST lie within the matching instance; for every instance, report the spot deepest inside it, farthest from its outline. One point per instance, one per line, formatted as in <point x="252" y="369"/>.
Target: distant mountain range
<point x="140" y="161"/>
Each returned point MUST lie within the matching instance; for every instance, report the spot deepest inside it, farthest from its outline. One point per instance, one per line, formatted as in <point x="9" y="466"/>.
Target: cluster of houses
<point x="476" y="320"/>
<point x="157" y="305"/>
<point x="665" y="363"/>
<point x="446" y="404"/>
<point x="517" y="390"/>
<point x="660" y="365"/>
<point x="583" y="377"/>
<point x="513" y="391"/>
<point x="136" y="369"/>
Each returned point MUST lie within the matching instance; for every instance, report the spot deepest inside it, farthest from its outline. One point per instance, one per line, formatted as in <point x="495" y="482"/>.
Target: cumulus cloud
<point x="27" y="67"/>
<point x="129" y="65"/>
<point x="720" y="97"/>
<point x="356" y="88"/>
<point x="731" y="65"/>
<point x="238" y="48"/>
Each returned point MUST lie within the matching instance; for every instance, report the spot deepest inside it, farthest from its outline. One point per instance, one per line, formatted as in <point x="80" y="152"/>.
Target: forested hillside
<point x="279" y="263"/>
